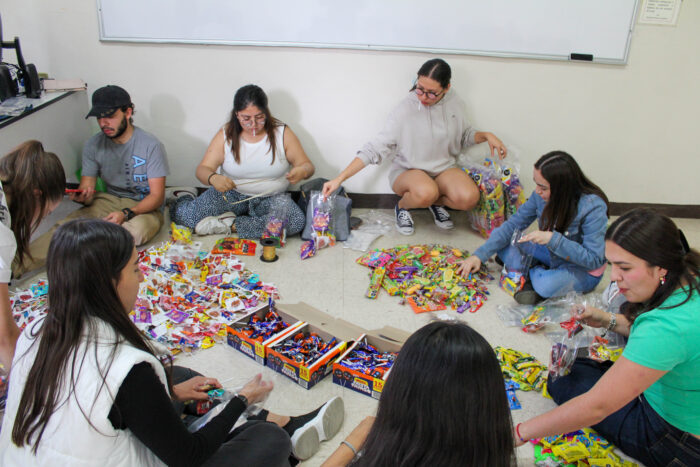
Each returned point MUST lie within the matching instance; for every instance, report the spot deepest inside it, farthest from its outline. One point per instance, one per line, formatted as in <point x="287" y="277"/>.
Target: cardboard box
<point x="327" y="328"/>
<point x="387" y="339"/>
<point x="251" y="347"/>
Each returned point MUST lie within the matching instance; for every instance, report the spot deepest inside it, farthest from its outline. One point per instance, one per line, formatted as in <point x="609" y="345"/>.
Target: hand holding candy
<point x="538" y="236"/>
<point x="468" y="266"/>
<point x="593" y="317"/>
<point x="256" y="389"/>
<point x="84" y="195"/>
<point x="195" y="388"/>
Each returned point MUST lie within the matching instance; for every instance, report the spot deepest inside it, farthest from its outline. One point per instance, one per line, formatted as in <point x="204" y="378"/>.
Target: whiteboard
<point x="599" y="30"/>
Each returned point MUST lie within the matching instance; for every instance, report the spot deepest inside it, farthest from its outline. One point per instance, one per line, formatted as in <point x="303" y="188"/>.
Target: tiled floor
<point x="334" y="283"/>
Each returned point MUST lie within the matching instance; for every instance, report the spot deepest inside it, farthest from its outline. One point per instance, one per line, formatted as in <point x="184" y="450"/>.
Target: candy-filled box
<point x="307" y="353"/>
<point x="252" y="334"/>
<point x="365" y="365"/>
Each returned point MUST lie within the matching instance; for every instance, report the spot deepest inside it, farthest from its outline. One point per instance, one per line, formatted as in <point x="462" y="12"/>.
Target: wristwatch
<point x="128" y="214"/>
<point x="243" y="399"/>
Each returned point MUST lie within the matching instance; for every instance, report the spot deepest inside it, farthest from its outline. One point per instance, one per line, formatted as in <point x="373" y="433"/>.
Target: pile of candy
<point x="523" y="369"/>
<point x="188" y="296"/>
<point x="366" y="359"/>
<point x="305" y="348"/>
<point x="425" y="276"/>
<point x="261" y="329"/>
<point x="600" y="351"/>
<point x="581" y="448"/>
<point x="30" y="304"/>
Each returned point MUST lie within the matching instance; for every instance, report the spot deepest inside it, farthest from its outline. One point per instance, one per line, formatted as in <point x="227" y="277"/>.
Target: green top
<point x="669" y="340"/>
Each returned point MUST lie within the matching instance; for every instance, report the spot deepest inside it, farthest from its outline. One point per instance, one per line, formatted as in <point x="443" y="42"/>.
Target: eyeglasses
<point x="248" y="119"/>
<point x="431" y="94"/>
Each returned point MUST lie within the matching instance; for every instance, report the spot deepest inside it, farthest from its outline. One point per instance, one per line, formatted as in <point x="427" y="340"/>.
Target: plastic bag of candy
<point x="276" y="225"/>
<point x="321" y="225"/>
<point x="489" y="213"/>
<point x="218" y="400"/>
<point x="514" y="276"/>
<point x="513" y="191"/>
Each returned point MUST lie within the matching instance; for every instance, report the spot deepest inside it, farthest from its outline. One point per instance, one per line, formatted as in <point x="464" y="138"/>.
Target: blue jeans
<point x="636" y="428"/>
<point x="549" y="282"/>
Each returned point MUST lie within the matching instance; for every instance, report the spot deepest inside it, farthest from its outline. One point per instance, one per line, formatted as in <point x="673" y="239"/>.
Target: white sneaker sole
<point x="444" y="225"/>
<point x="405" y="231"/>
<point x="306" y="440"/>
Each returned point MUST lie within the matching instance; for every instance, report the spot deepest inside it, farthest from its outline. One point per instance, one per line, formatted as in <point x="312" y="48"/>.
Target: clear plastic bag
<point x="513" y="278"/>
<point x="374" y="225"/>
<point x="489" y="212"/>
<point x="225" y="397"/>
<point x="513" y="191"/>
<point x="276" y="225"/>
<point x="321" y="225"/>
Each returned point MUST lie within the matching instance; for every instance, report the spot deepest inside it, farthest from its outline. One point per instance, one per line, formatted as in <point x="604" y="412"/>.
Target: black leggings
<point x="256" y="443"/>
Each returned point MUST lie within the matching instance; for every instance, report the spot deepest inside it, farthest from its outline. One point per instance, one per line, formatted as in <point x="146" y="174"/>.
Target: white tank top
<point x="255" y="165"/>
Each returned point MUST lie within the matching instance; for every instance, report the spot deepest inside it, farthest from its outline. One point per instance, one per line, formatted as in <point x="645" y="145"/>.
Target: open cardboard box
<point x="327" y="327"/>
<point x="251" y="347"/>
<point x="386" y="339"/>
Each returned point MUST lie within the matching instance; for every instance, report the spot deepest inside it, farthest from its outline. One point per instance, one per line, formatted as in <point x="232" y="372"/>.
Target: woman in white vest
<point x="87" y="389"/>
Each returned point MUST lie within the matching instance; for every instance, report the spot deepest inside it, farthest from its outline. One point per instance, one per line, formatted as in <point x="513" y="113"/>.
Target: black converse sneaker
<point x="404" y="221"/>
<point x="441" y="216"/>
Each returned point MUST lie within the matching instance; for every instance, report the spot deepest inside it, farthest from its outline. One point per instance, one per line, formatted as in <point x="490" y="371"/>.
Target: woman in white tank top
<point x="253" y="157"/>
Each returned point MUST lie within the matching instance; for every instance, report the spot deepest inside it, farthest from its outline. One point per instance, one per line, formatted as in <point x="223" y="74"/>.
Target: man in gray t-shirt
<point x="132" y="163"/>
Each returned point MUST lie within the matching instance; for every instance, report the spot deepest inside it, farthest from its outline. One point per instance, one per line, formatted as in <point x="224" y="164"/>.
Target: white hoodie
<point x="422" y="137"/>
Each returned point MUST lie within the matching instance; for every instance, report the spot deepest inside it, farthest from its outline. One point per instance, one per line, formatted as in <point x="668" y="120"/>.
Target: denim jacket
<point x="582" y="243"/>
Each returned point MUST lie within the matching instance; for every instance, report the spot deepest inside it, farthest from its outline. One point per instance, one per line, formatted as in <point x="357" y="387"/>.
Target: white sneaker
<point x="404" y="221"/>
<point x="215" y="224"/>
<point x="441" y="217"/>
<point x="174" y="193"/>
<point x="325" y="424"/>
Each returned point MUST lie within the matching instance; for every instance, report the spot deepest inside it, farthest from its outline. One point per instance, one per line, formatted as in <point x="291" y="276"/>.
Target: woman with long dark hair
<point x="648" y="402"/>
<point x="33" y="184"/>
<point x="87" y="389"/>
<point x="569" y="251"/>
<point x="423" y="136"/>
<point x="443" y="404"/>
<point x="251" y="158"/>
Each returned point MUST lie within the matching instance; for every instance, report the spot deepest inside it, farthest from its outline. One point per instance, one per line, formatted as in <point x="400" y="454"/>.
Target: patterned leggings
<point x="251" y="216"/>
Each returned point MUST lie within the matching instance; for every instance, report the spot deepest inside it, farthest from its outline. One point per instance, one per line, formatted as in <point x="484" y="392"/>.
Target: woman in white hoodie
<point x="423" y="136"/>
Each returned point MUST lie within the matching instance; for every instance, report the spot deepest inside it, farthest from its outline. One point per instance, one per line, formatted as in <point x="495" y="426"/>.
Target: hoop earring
<point x="662" y="279"/>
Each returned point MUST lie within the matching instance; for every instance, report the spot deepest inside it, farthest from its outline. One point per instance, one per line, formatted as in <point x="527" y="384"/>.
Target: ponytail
<point x="32" y="178"/>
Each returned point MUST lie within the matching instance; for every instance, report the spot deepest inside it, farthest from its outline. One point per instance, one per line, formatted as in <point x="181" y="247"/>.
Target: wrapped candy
<point x="276" y="225"/>
<point x="321" y="225"/>
<point x="489" y="212"/>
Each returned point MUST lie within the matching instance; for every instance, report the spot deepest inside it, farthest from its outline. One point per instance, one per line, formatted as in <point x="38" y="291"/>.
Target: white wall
<point x="632" y="128"/>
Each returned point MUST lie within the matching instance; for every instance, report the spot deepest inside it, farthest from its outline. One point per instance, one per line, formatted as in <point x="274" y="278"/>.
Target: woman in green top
<point x="648" y="402"/>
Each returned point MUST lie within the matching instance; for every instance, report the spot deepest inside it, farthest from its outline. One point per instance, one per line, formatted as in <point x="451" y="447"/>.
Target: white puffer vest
<point x="69" y="439"/>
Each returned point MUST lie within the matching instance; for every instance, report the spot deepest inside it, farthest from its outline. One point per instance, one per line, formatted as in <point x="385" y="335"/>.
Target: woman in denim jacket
<point x="568" y="248"/>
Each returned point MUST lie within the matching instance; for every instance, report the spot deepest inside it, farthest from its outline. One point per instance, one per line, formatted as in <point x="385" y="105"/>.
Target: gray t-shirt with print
<point x="125" y="168"/>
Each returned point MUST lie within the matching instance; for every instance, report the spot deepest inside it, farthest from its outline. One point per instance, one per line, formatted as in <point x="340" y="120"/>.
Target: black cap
<point x="106" y="100"/>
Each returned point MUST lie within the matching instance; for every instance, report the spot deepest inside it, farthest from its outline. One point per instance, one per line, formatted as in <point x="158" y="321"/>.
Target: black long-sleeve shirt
<point x="143" y="406"/>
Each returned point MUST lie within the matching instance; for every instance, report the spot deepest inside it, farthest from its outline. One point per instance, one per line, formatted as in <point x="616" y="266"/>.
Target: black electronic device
<point x="24" y="72"/>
